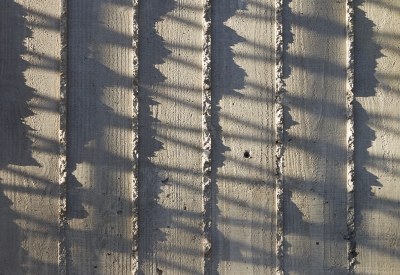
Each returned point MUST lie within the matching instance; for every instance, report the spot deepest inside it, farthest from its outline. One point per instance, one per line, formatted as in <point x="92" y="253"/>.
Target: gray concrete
<point x="99" y="150"/>
<point x="377" y="136"/>
<point x="183" y="208"/>
<point x="170" y="137"/>
<point x="243" y="78"/>
<point x="28" y="139"/>
<point x="315" y="155"/>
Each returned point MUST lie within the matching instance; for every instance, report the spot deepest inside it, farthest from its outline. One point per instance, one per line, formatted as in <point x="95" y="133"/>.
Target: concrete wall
<point x="199" y="137"/>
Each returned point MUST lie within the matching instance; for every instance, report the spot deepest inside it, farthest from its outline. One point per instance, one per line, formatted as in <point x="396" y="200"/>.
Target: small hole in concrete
<point x="246" y="154"/>
<point x="317" y="243"/>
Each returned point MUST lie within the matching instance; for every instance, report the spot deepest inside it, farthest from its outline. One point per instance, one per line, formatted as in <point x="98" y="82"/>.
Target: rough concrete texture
<point x="170" y="137"/>
<point x="243" y="170"/>
<point x="62" y="136"/>
<point x="99" y="145"/>
<point x="279" y="131"/>
<point x="135" y="138"/>
<point x="377" y="193"/>
<point x="29" y="92"/>
<point x="199" y="137"/>
<point x="315" y="155"/>
<point x="207" y="137"/>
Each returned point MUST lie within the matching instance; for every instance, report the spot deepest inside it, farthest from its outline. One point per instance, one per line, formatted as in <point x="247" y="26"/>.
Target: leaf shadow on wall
<point x="297" y="218"/>
<point x="98" y="170"/>
<point x="153" y="179"/>
<point x="15" y="144"/>
<point x="308" y="37"/>
<point x="366" y="54"/>
<point x="227" y="79"/>
<point x="288" y="122"/>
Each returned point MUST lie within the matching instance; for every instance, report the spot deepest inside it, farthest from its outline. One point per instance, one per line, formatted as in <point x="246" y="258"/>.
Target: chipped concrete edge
<point x="135" y="138"/>
<point x="62" y="219"/>
<point x="351" y="242"/>
<point x="279" y="133"/>
<point x="206" y="133"/>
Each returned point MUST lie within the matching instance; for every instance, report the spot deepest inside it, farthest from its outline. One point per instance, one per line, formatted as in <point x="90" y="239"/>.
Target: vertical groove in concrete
<point x="279" y="135"/>
<point x="62" y="266"/>
<point x="351" y="245"/>
<point x="206" y="124"/>
<point x="135" y="140"/>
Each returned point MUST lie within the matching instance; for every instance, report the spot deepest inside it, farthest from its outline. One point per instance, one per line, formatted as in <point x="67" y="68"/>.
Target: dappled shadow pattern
<point x="315" y="159"/>
<point x="15" y="144"/>
<point x="227" y="80"/>
<point x="99" y="126"/>
<point x="152" y="178"/>
<point x="366" y="53"/>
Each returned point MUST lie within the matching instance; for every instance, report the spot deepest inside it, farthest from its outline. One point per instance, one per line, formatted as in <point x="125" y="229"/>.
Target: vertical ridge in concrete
<point x="62" y="266"/>
<point x="351" y="245"/>
<point x="135" y="140"/>
<point x="279" y="135"/>
<point x="206" y="121"/>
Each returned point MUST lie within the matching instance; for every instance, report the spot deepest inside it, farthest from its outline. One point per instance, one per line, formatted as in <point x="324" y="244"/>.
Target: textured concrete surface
<point x="99" y="148"/>
<point x="29" y="89"/>
<point x="243" y="211"/>
<point x="253" y="156"/>
<point x="170" y="137"/>
<point x="377" y="136"/>
<point x="315" y="137"/>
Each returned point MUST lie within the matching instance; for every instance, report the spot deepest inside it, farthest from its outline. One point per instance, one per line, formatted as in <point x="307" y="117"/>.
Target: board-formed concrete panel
<point x="170" y="137"/>
<point x="314" y="121"/>
<point x="99" y="145"/>
<point x="243" y="170"/>
<point x="199" y="137"/>
<point x="29" y="95"/>
<point x="377" y="136"/>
